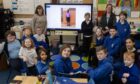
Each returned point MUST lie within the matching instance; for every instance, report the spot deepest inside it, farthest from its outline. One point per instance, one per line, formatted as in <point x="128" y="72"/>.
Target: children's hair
<point x="87" y="14"/>
<point x="123" y="13"/>
<point x="28" y="28"/>
<point x="131" y="38"/>
<point x="39" y="50"/>
<point x="99" y="48"/>
<point x="9" y="32"/>
<point x="32" y="43"/>
<point x="64" y="47"/>
<point x="129" y="54"/>
<point x="39" y="7"/>
<point x="113" y="27"/>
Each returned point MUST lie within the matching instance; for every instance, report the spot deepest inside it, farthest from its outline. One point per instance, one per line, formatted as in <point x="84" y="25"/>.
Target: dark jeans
<point x="15" y="64"/>
<point x="86" y="44"/>
<point x="32" y="71"/>
<point x="29" y="70"/>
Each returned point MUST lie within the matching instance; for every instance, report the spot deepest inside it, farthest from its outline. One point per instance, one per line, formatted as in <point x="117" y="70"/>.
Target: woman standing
<point x="39" y="19"/>
<point x="108" y="19"/>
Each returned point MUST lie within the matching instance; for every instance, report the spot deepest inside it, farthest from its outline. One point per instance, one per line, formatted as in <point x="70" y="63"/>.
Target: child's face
<point x="39" y="31"/>
<point x="66" y="52"/>
<point x="101" y="55"/>
<point x="122" y="17"/>
<point x="28" y="43"/>
<point x="129" y="44"/>
<point x="11" y="38"/>
<point x="98" y="32"/>
<point x="27" y="32"/>
<point x="87" y="17"/>
<point x="43" y="56"/>
<point x="128" y="60"/>
<point x="112" y="32"/>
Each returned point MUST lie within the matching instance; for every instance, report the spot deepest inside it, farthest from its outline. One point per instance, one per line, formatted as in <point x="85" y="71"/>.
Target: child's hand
<point x="71" y="73"/>
<point x="106" y="28"/>
<point x="25" y="59"/>
<point x="124" y="80"/>
<point x="126" y="75"/>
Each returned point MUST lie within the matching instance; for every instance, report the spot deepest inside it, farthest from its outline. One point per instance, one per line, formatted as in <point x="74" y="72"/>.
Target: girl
<point x="68" y="17"/>
<point x="43" y="60"/>
<point x="28" y="54"/>
<point x="63" y="64"/>
<point x="99" y="37"/>
<point x="27" y="33"/>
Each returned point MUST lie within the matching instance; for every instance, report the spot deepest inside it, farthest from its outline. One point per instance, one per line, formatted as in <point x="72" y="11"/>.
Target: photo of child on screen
<point x="68" y="17"/>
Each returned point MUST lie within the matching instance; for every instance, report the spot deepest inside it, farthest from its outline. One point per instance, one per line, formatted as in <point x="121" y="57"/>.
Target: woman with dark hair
<point x="108" y="19"/>
<point x="39" y="19"/>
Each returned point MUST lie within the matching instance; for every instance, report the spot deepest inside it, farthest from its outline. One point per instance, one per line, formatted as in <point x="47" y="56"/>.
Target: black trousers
<point x="86" y="44"/>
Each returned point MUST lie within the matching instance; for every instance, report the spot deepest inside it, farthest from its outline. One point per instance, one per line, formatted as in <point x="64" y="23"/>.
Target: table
<point x="34" y="79"/>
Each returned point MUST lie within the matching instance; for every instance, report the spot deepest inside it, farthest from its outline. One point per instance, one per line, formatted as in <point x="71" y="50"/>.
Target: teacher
<point x="108" y="19"/>
<point x="39" y="19"/>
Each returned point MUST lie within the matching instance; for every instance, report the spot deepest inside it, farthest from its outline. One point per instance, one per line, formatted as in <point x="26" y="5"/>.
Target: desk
<point x="81" y="80"/>
<point x="34" y="79"/>
<point x="27" y="79"/>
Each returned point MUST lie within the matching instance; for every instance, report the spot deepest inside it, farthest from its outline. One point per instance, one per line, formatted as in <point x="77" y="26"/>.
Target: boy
<point x="40" y="37"/>
<point x="112" y="42"/>
<point x="129" y="73"/>
<point x="101" y="74"/>
<point x="123" y="27"/>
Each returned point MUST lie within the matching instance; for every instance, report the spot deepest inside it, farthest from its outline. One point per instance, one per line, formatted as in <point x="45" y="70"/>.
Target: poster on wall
<point x="7" y="4"/>
<point x="127" y="10"/>
<point x="113" y="2"/>
<point x="23" y="6"/>
<point x="128" y="3"/>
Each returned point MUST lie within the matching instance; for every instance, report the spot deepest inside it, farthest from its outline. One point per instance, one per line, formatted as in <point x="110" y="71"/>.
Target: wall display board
<point x="23" y="6"/>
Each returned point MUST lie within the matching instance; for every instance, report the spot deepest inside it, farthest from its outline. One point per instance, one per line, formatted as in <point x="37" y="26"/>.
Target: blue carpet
<point x="4" y="76"/>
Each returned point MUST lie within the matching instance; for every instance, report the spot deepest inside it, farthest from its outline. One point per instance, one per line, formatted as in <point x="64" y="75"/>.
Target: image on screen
<point x="66" y="16"/>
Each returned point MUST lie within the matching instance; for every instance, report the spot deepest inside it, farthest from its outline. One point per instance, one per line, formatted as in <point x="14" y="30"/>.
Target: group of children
<point x="31" y="54"/>
<point x="116" y="59"/>
<point x="115" y="54"/>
